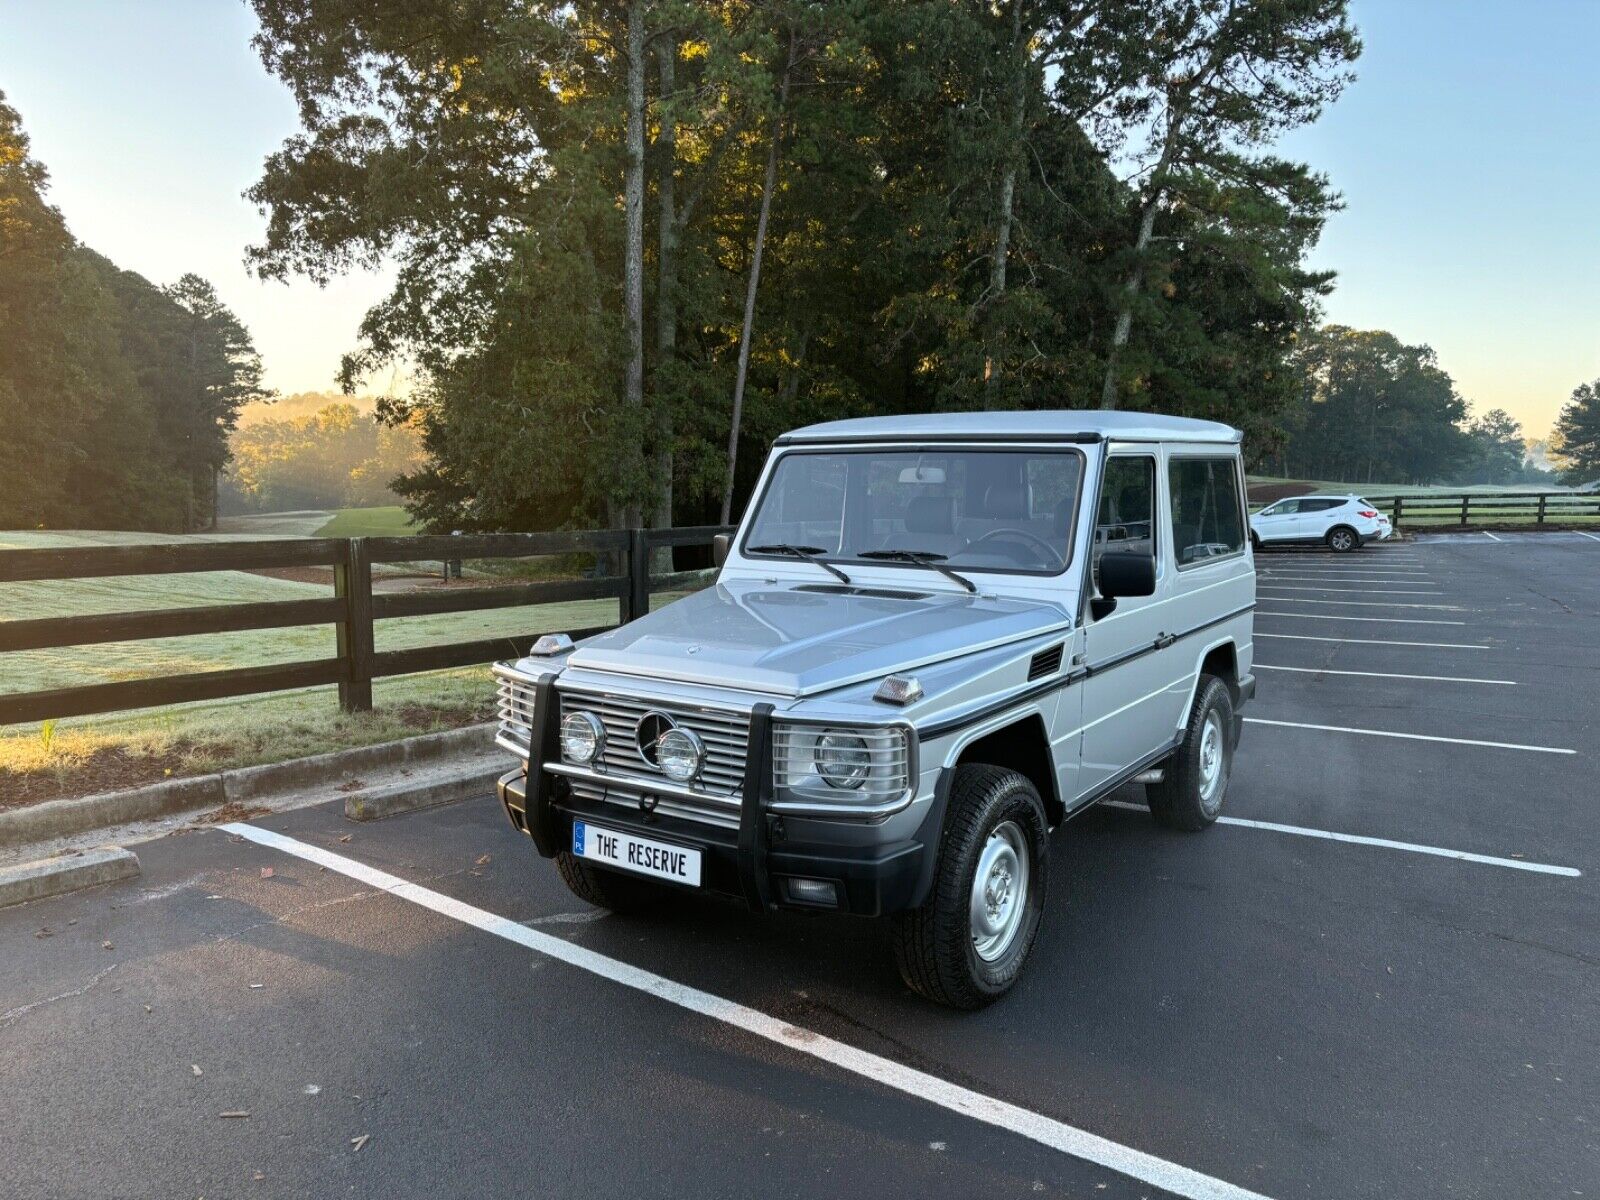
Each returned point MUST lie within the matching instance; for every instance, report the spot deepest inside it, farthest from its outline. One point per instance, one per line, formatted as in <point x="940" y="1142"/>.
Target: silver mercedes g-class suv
<point x="932" y="640"/>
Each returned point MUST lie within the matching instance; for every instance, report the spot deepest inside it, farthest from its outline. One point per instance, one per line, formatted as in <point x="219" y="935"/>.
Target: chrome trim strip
<point x="657" y="786"/>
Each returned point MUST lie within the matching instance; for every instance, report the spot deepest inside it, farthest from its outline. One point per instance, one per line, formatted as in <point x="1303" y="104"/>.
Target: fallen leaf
<point x="147" y="1008"/>
<point x="267" y="872"/>
<point x="107" y="946"/>
<point x="45" y="932"/>
<point x="345" y="838"/>
<point x="244" y="1112"/>
<point x="483" y="860"/>
<point x="358" y="1142"/>
<point x="195" y="1067"/>
<point x="258" y="985"/>
<point x="258" y="1175"/>
<point x="311" y="1089"/>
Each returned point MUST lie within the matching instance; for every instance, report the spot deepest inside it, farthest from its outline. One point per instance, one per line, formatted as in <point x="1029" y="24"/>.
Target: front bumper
<point x="749" y="864"/>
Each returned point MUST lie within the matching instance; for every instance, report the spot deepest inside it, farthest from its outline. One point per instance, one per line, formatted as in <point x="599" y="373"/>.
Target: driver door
<point x="1125" y="713"/>
<point x="1279" y="522"/>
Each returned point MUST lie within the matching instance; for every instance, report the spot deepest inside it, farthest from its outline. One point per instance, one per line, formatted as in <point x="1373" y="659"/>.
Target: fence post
<point x="352" y="583"/>
<point x="1399" y="507"/>
<point x="1539" y="520"/>
<point x="637" y="602"/>
<point x="1466" y="498"/>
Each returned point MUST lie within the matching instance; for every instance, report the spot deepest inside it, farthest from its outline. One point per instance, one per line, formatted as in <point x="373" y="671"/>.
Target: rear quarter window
<point x="1207" y="512"/>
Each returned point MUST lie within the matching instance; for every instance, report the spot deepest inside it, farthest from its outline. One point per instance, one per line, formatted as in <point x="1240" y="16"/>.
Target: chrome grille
<point x="516" y="711"/>
<point x="725" y="734"/>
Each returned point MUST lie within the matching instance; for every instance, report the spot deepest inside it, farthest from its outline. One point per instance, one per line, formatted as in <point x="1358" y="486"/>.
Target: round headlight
<point x="582" y="737"/>
<point x="679" y="754"/>
<point x="842" y="759"/>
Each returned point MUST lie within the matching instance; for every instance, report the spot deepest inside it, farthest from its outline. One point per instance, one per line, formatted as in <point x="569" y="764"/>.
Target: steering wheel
<point x="1023" y="534"/>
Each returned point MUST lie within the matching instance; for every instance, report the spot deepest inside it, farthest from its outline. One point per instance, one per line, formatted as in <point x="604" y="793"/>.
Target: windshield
<point x="975" y="510"/>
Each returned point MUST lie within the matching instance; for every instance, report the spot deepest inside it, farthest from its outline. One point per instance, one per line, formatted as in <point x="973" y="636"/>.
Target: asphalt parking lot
<point x="1378" y="978"/>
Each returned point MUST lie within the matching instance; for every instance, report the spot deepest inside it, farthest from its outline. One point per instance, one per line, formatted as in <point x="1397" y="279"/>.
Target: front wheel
<point x="966" y="945"/>
<point x="608" y="889"/>
<point x="1342" y="539"/>
<point x="1191" y="790"/>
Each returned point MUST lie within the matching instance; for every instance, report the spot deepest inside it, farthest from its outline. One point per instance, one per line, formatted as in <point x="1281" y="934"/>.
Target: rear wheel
<point x="967" y="944"/>
<point x="1255" y="543"/>
<point x="1342" y="539"/>
<point x="1190" y="793"/>
<point x="607" y="889"/>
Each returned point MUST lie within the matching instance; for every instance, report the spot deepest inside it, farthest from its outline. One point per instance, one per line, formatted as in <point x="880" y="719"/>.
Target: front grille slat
<point x="724" y="734"/>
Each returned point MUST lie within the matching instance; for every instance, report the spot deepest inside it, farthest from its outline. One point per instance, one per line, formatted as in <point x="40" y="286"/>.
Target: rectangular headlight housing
<point x="842" y="769"/>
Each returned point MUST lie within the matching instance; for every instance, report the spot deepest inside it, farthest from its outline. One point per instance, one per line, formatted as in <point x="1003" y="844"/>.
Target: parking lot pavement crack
<point x="6" y="1018"/>
<point x="1587" y="960"/>
<point x="1571" y="612"/>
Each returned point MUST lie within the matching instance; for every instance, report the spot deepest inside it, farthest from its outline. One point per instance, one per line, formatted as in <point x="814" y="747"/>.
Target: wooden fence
<point x="1512" y="508"/>
<point x="352" y="609"/>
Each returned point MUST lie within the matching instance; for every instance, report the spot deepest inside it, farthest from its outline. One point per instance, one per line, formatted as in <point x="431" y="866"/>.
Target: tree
<point x="1230" y="76"/>
<point x="1497" y="452"/>
<point x="1576" y="446"/>
<point x="1373" y="410"/>
<point x="116" y="397"/>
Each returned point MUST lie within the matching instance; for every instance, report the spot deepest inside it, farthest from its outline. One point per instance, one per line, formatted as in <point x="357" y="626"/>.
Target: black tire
<point x="934" y="945"/>
<point x="607" y="889"/>
<point x="1341" y="539"/>
<point x="1181" y="800"/>
<point x="1255" y="543"/>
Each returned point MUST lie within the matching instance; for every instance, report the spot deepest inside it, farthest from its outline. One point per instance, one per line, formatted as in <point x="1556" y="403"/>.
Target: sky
<point x="1467" y="152"/>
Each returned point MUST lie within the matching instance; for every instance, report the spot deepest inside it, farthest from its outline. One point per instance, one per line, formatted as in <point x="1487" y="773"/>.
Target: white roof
<point x="1064" y="425"/>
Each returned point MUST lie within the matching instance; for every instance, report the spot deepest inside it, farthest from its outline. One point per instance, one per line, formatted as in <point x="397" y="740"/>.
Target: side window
<point x="1206" y="519"/>
<point x="1126" y="520"/>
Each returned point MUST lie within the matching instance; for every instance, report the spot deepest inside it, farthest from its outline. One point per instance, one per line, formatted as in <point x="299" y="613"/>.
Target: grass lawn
<point x="94" y="753"/>
<point x="389" y="521"/>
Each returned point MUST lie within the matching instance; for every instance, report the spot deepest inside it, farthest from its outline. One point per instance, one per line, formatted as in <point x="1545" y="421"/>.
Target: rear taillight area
<point x="1366" y="512"/>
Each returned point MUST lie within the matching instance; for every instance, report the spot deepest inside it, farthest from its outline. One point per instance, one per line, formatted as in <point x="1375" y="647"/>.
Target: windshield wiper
<point x="923" y="558"/>
<point x="809" y="553"/>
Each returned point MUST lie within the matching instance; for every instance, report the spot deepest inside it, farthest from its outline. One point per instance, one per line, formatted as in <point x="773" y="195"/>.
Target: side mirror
<point x="719" y="549"/>
<point x="1127" y="573"/>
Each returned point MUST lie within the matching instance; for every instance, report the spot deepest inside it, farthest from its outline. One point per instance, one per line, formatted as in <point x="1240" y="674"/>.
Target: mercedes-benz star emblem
<point x="648" y="734"/>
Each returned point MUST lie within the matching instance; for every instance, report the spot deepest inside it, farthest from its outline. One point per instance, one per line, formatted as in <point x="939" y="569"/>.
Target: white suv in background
<point x="1342" y="523"/>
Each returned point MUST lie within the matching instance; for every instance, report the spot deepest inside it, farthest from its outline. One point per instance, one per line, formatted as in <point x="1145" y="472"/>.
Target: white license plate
<point x="640" y="855"/>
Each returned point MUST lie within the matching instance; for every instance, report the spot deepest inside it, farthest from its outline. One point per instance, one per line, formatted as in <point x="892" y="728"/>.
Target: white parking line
<point x="1355" y="591"/>
<point x="1380" y="620"/>
<point x="1306" y="637"/>
<point x="920" y="1085"/>
<point x="1487" y="534"/>
<point x="1368" y="603"/>
<point x="1590" y="536"/>
<point x="1320" y="576"/>
<point x="1261" y="666"/>
<point x="1410" y="737"/>
<point x="1515" y="864"/>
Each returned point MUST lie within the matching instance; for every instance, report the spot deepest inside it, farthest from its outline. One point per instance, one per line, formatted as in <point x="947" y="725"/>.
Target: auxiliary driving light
<point x="680" y="754"/>
<point x="551" y="643"/>
<point x="582" y="737"/>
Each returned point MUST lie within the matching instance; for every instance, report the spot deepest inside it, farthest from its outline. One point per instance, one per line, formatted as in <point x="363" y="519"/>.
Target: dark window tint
<point x="1207" y="520"/>
<point x="1127" y="507"/>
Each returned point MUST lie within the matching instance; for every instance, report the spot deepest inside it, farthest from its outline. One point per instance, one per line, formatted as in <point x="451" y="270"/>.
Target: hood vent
<point x="1045" y="663"/>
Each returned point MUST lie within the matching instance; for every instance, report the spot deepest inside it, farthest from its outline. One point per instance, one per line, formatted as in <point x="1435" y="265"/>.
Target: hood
<point x="794" y="640"/>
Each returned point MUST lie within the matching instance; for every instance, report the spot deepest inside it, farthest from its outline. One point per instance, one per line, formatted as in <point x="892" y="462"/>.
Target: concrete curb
<point x="423" y="792"/>
<point x="65" y="873"/>
<point x="64" y="818"/>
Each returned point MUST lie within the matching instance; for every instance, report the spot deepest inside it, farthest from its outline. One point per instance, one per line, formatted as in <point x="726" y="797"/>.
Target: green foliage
<point x="1576" y="446"/>
<point x="1497" y="453"/>
<point x="946" y="230"/>
<point x="1372" y="408"/>
<point x="116" y="397"/>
